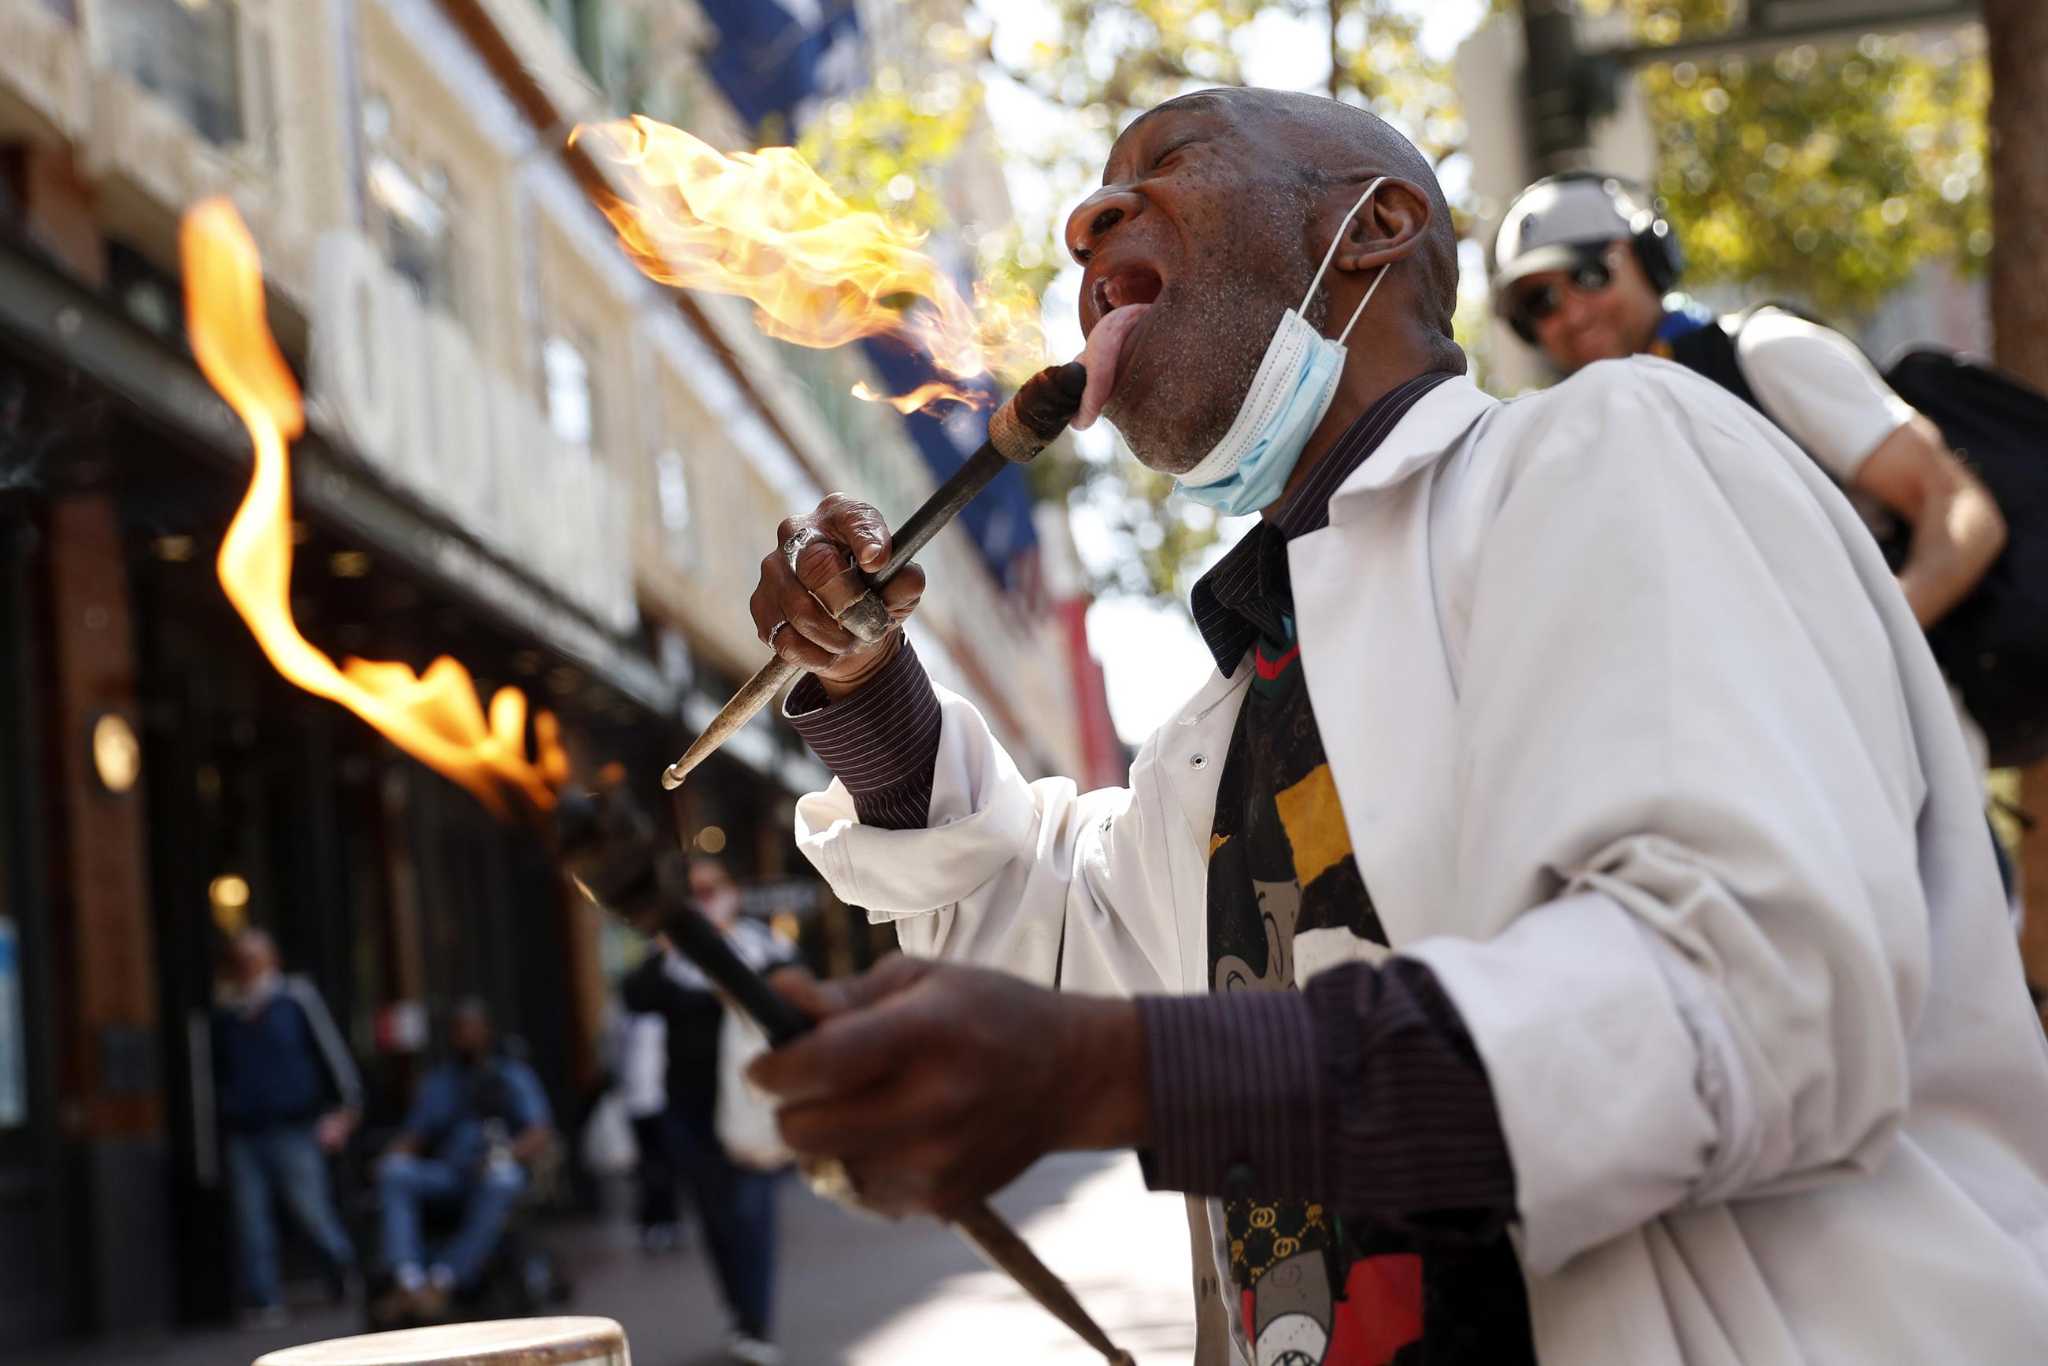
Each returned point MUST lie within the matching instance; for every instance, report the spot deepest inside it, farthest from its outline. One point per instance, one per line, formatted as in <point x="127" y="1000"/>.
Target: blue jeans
<point x="737" y="1206"/>
<point x="283" y="1161"/>
<point x="656" y="1175"/>
<point x="487" y="1196"/>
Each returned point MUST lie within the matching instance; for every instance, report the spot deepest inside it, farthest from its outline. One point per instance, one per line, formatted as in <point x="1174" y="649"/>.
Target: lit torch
<point x="434" y="716"/>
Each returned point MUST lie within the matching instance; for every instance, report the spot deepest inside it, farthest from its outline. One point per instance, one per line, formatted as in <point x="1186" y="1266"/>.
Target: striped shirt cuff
<point x="1415" y="1140"/>
<point x="1362" y="1091"/>
<point x="882" y="741"/>
<point x="1234" y="1094"/>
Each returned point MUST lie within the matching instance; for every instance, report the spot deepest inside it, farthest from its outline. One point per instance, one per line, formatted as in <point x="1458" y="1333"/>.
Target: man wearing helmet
<point x="1583" y="270"/>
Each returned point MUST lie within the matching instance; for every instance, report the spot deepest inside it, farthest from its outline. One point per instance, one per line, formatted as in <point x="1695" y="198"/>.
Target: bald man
<point x="1560" y="928"/>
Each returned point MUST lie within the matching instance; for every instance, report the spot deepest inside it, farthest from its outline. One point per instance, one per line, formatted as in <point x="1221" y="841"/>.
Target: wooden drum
<point x="507" y="1342"/>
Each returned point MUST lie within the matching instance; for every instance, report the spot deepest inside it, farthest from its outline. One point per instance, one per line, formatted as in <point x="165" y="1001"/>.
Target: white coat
<point x="1641" y="750"/>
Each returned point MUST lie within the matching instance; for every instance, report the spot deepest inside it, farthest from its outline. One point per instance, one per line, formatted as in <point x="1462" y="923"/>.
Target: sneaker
<point x="405" y="1306"/>
<point x="430" y="1302"/>
<point x="751" y="1351"/>
<point x="392" y="1309"/>
<point x="264" y="1316"/>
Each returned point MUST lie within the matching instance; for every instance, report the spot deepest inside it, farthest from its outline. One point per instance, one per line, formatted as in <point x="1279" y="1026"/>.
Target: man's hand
<point x="332" y="1129"/>
<point x="531" y="1143"/>
<point x="936" y="1085"/>
<point x="823" y="582"/>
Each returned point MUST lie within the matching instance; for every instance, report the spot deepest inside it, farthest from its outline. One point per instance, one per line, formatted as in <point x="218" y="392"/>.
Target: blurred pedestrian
<point x="477" y="1127"/>
<point x="642" y="1079"/>
<point x="1583" y="269"/>
<point x="735" y="1202"/>
<point x="288" y="1097"/>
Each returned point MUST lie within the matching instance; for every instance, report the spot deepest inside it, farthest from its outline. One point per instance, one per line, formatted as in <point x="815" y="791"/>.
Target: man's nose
<point x="1097" y="215"/>
<point x="1574" y="308"/>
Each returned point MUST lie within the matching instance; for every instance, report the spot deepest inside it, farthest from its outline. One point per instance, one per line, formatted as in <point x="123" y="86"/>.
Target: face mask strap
<point x="1359" y="312"/>
<point x="1336" y="242"/>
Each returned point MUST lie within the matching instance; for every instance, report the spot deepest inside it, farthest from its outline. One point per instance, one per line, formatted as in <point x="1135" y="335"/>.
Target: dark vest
<point x="1710" y="351"/>
<point x="268" y="1066"/>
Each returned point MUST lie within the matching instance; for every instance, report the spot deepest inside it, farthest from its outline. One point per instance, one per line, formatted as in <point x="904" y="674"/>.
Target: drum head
<point x="507" y="1342"/>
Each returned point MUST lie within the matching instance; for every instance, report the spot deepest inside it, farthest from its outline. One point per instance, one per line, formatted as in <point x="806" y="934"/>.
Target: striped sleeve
<point x="348" y="1086"/>
<point x="1362" y="1091"/>
<point x="1235" y="1094"/>
<point x="882" y="741"/>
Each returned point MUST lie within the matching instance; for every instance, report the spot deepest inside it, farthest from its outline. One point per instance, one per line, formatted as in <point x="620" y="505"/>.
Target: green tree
<point x="879" y="147"/>
<point x="1831" y="170"/>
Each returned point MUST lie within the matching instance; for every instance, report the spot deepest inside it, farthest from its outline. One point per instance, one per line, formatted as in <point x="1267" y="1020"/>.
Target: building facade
<point x="519" y="453"/>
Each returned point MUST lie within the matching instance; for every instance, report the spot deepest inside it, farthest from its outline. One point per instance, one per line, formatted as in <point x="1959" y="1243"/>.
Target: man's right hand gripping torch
<point x="1032" y="420"/>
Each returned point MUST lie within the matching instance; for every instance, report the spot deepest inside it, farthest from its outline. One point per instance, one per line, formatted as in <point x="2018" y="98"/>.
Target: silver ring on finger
<point x="829" y="1179"/>
<point x="794" y="546"/>
<point x="774" y="631"/>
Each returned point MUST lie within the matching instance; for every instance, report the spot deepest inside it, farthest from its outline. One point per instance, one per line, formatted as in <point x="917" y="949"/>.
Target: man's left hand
<point x="332" y="1129"/>
<point x="935" y="1085"/>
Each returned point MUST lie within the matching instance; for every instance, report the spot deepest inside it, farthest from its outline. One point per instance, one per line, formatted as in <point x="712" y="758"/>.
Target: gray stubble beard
<point x="1189" y="408"/>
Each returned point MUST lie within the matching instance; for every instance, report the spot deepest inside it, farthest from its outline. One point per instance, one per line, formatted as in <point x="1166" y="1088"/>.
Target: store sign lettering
<point x="402" y="387"/>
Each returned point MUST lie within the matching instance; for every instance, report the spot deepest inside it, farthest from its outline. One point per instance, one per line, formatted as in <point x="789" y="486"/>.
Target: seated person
<point x="477" y="1124"/>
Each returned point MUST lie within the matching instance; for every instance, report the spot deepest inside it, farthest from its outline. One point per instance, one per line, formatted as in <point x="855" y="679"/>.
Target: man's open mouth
<point x="1133" y="284"/>
<point x="1120" y="298"/>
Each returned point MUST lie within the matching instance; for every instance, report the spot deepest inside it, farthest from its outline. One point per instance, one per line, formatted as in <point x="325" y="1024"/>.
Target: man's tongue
<point x="1101" y="355"/>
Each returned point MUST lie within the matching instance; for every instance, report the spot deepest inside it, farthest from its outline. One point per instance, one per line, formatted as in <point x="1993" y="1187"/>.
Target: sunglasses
<point x="1590" y="276"/>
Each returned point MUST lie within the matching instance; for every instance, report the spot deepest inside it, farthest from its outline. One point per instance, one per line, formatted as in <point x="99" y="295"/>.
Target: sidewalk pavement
<point x="853" y="1290"/>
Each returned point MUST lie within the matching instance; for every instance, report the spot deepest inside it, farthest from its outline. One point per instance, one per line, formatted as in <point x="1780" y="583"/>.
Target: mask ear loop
<point x="1336" y="242"/>
<point x="1377" y="280"/>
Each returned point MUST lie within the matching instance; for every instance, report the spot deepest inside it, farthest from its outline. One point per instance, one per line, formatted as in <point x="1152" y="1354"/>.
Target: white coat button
<point x="1198" y="762"/>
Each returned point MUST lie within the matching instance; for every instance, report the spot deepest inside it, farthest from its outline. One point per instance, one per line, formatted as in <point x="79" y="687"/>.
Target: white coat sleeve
<point x="1688" y="792"/>
<point x="1037" y="878"/>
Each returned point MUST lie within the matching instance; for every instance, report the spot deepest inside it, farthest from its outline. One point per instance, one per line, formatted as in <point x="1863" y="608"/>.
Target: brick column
<point x="111" y="1050"/>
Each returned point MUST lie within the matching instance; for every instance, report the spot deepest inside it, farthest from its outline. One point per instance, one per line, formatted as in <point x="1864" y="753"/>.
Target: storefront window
<point x="412" y="214"/>
<point x="672" y="494"/>
<point x="581" y="22"/>
<point x="183" y="51"/>
<point x="13" y="1032"/>
<point x="572" y="407"/>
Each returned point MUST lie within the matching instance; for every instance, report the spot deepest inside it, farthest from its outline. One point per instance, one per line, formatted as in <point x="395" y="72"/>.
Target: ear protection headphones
<point x="1651" y="236"/>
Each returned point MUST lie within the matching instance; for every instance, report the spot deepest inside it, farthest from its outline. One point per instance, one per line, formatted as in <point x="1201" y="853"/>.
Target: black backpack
<point x="1994" y="644"/>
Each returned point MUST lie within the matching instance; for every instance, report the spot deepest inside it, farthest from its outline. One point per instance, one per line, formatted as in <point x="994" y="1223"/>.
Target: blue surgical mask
<point x="1296" y="381"/>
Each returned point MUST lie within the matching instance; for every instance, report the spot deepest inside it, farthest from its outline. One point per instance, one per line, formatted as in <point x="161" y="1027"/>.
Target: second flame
<point x="434" y="716"/>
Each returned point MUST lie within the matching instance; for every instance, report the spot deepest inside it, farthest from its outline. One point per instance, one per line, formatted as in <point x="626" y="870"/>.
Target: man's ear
<point x="1389" y="228"/>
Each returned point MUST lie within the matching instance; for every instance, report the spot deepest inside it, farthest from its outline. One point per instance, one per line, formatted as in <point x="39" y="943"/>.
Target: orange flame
<point x="435" y="716"/>
<point x="923" y="396"/>
<point x="766" y="227"/>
